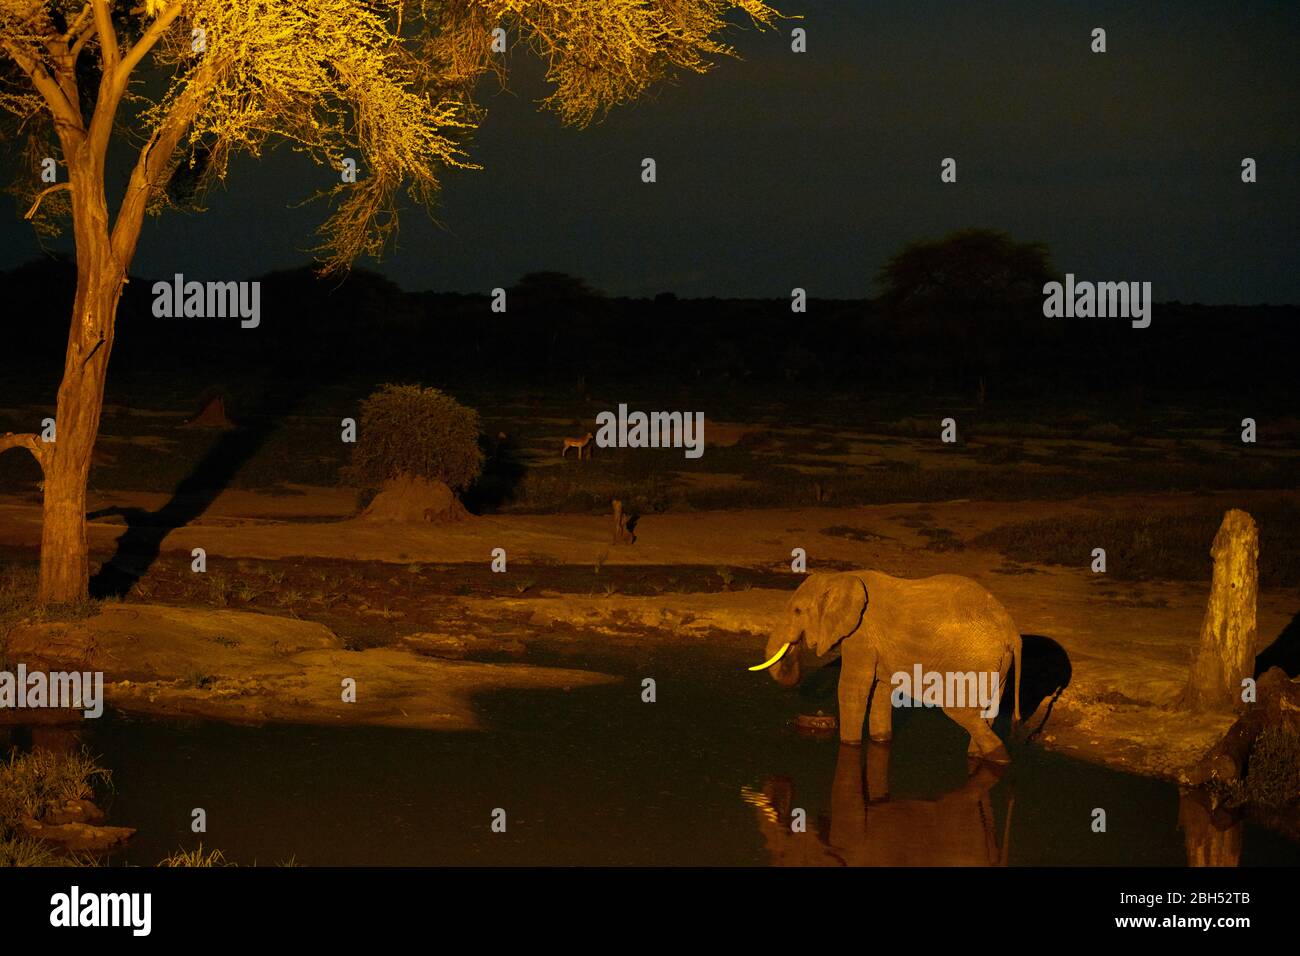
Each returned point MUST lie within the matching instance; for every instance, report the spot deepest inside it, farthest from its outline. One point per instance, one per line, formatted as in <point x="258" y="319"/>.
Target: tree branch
<point x="148" y="40"/>
<point x="107" y="35"/>
<point x="61" y="110"/>
<point x="42" y="194"/>
<point x="117" y="70"/>
<point x="64" y="68"/>
<point x="78" y="29"/>
<point x="32" y="443"/>
<point x="82" y="38"/>
<point x="154" y="157"/>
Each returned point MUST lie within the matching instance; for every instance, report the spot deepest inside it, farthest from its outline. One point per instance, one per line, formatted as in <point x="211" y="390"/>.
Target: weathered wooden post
<point x="1225" y="655"/>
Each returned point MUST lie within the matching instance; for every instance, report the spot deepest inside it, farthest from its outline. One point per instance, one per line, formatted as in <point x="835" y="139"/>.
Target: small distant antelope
<point x="582" y="444"/>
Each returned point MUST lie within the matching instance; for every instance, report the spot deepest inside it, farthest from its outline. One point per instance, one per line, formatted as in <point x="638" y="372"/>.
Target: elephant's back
<point x="971" y="605"/>
<point x="943" y="613"/>
<point x="953" y="593"/>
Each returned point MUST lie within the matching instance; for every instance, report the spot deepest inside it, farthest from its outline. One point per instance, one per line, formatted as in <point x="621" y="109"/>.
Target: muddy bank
<point x="243" y="667"/>
<point x="253" y="668"/>
<point x="1119" y="649"/>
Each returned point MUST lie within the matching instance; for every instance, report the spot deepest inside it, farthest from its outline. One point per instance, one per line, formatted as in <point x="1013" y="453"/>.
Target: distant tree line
<point x="930" y="332"/>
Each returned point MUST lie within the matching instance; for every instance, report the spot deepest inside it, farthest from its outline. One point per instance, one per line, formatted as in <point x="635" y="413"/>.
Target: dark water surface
<point x="706" y="775"/>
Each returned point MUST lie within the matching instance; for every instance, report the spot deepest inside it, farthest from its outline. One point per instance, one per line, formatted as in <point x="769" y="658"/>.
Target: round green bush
<point x="416" y="431"/>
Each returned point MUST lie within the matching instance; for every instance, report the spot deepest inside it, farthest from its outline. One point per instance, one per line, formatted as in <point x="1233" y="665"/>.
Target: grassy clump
<point x="18" y="583"/>
<point x="1273" y="772"/>
<point x="24" y="851"/>
<point x="1272" y="780"/>
<point x="852" y="533"/>
<point x="197" y="858"/>
<point x="31" y="785"/>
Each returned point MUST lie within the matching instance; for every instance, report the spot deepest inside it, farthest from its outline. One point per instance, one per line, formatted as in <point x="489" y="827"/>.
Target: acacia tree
<point x="969" y="289"/>
<point x="970" y="269"/>
<point x="185" y="85"/>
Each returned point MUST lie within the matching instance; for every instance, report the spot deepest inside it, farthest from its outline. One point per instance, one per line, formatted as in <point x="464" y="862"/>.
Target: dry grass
<point x="197" y="858"/>
<point x="32" y="784"/>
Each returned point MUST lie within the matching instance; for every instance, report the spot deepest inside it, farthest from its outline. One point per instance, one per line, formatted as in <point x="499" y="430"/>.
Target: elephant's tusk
<point x="775" y="657"/>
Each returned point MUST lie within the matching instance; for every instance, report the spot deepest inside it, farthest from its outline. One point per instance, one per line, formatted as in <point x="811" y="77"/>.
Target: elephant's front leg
<point x="881" y="717"/>
<point x="853" y="707"/>
<point x="857" y="674"/>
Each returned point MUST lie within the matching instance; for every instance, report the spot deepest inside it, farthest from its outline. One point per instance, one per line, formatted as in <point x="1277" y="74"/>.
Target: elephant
<point x="887" y="626"/>
<point x="868" y="828"/>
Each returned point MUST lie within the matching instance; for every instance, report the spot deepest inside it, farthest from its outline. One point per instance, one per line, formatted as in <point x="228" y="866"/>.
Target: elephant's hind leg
<point x="984" y="743"/>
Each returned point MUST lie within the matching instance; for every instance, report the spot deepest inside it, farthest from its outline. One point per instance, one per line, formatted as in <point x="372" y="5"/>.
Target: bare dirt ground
<point x="401" y="593"/>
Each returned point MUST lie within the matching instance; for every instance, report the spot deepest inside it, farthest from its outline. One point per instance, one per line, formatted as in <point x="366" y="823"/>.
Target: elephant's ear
<point x="837" y="612"/>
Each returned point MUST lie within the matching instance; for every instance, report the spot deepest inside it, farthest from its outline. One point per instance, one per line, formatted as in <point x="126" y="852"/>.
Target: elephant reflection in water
<point x="866" y="828"/>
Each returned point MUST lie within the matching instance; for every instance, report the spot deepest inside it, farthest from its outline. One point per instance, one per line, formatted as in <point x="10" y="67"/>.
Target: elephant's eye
<point x="798" y="610"/>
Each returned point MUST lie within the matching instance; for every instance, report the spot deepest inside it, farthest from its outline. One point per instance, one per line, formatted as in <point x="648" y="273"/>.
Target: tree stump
<point x="1225" y="655"/>
<point x="621" y="533"/>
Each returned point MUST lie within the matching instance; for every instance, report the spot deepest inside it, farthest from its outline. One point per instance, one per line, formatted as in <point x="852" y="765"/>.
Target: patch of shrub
<point x="422" y="432"/>
<point x="941" y="539"/>
<point x="32" y="784"/>
<point x="852" y="533"/>
<point x="1001" y="453"/>
<point x="1169" y="547"/>
<point x="1273" y="771"/>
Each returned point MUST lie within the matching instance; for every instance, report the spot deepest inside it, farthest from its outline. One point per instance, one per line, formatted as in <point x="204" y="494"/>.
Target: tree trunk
<point x="1225" y="655"/>
<point x="65" y="572"/>
<point x="104" y="251"/>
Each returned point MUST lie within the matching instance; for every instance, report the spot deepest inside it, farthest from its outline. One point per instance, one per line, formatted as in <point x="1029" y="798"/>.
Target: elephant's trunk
<point x="787" y="671"/>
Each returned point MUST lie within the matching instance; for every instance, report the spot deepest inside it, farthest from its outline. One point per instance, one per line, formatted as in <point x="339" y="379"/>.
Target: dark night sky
<point x="785" y="170"/>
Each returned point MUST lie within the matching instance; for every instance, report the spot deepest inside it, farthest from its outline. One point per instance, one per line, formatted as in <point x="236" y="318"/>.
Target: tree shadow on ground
<point x="503" y="473"/>
<point x="139" y="546"/>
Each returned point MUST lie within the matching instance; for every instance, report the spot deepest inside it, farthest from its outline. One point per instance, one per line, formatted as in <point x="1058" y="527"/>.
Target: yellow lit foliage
<point x="387" y="83"/>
